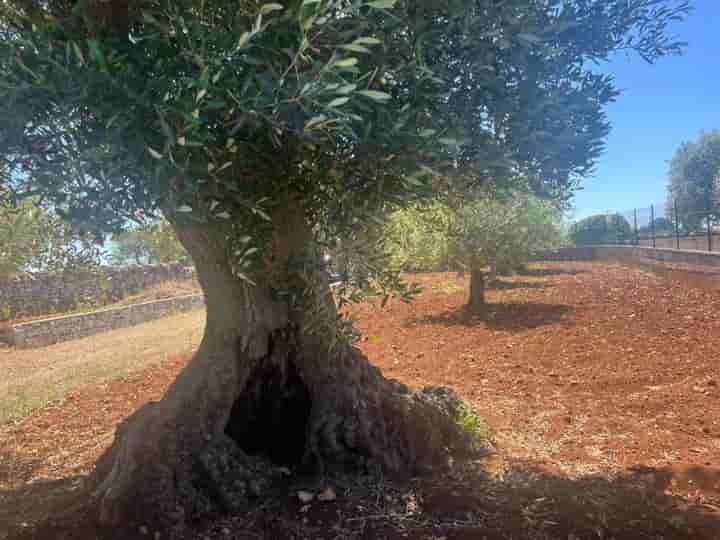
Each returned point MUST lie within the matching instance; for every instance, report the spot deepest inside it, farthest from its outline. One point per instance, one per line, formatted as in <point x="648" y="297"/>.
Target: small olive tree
<point x="499" y="236"/>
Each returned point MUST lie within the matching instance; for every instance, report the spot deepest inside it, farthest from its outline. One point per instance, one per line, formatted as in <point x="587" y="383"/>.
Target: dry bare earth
<point x="599" y="381"/>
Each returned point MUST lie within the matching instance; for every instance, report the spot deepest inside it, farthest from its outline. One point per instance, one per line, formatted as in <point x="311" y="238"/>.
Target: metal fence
<point x="662" y="226"/>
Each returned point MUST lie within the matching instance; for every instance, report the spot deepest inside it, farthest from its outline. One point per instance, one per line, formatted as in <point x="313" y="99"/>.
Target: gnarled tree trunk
<point x="265" y="388"/>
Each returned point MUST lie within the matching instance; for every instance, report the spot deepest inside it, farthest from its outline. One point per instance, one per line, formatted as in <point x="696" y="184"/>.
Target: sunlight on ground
<point x="35" y="377"/>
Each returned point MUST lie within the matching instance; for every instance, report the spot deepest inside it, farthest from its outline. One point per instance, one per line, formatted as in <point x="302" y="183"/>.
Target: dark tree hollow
<point x="270" y="416"/>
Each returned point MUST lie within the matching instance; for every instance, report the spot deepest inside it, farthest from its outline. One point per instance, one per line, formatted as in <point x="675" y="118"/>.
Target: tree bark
<point x="265" y="384"/>
<point x="477" y="289"/>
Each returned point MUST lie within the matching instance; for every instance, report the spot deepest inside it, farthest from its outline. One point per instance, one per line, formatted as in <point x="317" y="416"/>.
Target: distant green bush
<point x="601" y="229"/>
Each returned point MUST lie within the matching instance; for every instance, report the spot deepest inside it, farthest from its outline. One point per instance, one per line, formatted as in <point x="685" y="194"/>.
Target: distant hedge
<point x="601" y="229"/>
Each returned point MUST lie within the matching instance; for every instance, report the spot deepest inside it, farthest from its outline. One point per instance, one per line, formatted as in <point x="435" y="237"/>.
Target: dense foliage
<point x="416" y="238"/>
<point x="222" y="112"/>
<point x="500" y="233"/>
<point x="601" y="229"/>
<point x="149" y="243"/>
<point x="694" y="182"/>
<point x="33" y="240"/>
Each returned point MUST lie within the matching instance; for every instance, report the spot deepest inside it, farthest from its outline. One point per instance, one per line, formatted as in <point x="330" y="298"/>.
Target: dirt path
<point x="32" y="378"/>
<point x="599" y="381"/>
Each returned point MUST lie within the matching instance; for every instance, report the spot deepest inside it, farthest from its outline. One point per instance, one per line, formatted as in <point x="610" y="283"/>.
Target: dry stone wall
<point x="46" y="294"/>
<point x="55" y="330"/>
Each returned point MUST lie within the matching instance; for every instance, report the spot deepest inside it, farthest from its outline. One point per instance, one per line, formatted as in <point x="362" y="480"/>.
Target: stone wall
<point x="55" y="330"/>
<point x="45" y="294"/>
<point x="679" y="256"/>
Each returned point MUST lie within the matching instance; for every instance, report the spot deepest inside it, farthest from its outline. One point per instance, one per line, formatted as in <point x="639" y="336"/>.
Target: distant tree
<point x="601" y="229"/>
<point x="661" y="225"/>
<point x="151" y="243"/>
<point x="33" y="240"/>
<point x="500" y="235"/>
<point x="694" y="182"/>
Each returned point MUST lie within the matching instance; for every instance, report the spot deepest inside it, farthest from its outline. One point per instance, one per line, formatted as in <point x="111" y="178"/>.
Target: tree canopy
<point x="601" y="229"/>
<point x="222" y="110"/>
<point x="694" y="182"/>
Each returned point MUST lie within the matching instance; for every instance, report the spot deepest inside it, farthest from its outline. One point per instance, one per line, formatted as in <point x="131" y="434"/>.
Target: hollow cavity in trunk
<point x="270" y="417"/>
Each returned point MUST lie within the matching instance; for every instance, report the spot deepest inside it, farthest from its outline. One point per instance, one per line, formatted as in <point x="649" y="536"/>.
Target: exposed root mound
<point x="229" y="428"/>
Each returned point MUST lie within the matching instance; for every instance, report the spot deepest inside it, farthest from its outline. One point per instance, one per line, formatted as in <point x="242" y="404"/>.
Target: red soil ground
<point x="599" y="383"/>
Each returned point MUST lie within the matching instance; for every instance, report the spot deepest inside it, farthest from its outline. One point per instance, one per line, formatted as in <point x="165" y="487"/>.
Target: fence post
<point x="652" y="223"/>
<point x="677" y="226"/>
<point x="709" y="232"/>
<point x="637" y="238"/>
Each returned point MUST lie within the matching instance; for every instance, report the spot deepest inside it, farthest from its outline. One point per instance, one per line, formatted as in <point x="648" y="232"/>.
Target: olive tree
<point x="500" y="236"/>
<point x="264" y="133"/>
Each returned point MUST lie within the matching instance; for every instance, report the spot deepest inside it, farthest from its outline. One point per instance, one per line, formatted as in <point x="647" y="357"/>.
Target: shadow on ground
<point x="504" y="285"/>
<point x="521" y="501"/>
<point x="22" y="508"/>
<point x="547" y="272"/>
<point x="506" y="316"/>
<point x="15" y="468"/>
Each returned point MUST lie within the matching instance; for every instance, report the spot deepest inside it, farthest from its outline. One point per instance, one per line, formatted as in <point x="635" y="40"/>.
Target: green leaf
<point x="244" y="39"/>
<point x="382" y="4"/>
<point x="269" y="8"/>
<point x="338" y="101"/>
<point x="375" y="95"/>
<point x="261" y="213"/>
<point x="367" y="41"/>
<point x="347" y="89"/>
<point x="315" y="120"/>
<point x="346" y="62"/>
<point x="356" y="48"/>
<point x="184" y="209"/>
<point x="78" y="54"/>
<point x="112" y="120"/>
<point x="154" y="153"/>
<point x="427" y="132"/>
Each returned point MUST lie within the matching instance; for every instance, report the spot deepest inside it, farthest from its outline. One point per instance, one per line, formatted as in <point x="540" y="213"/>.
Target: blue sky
<point x="661" y="106"/>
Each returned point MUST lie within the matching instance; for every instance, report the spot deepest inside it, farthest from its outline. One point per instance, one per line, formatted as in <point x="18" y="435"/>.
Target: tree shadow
<point x="17" y="468"/>
<point x="509" y="317"/>
<point x="549" y="272"/>
<point x="34" y="503"/>
<point x="532" y="502"/>
<point x="521" y="500"/>
<point x="504" y="285"/>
